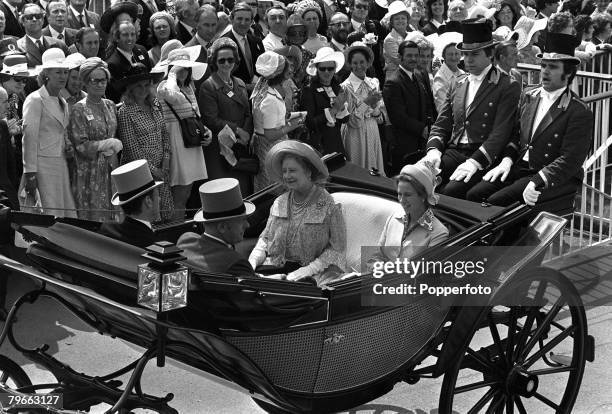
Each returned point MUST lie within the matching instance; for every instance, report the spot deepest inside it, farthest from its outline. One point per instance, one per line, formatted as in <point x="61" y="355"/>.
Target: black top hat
<point x="560" y="46"/>
<point x="110" y="14"/>
<point x="477" y="34"/>
<point x="137" y="73"/>
<point x="451" y="26"/>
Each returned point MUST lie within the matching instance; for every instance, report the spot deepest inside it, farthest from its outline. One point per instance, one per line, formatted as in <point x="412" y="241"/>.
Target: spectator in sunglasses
<point x="34" y="43"/>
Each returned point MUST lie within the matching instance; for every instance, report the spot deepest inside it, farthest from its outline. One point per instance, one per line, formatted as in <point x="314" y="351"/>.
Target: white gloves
<point x="500" y="172"/>
<point x="316" y="266"/>
<point x="465" y="171"/>
<point x="530" y="194"/>
<point x="434" y="156"/>
<point x="109" y="146"/>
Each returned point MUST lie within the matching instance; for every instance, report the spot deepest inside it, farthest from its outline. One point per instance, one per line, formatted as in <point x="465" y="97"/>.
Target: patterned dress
<point x="91" y="182"/>
<point x="360" y="134"/>
<point x="144" y="136"/>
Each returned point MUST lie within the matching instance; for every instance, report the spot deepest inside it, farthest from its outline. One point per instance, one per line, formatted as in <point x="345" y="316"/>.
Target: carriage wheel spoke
<point x="547" y="371"/>
<point x="497" y="403"/>
<point x="550" y="345"/>
<point x="510" y="405"/>
<point x="4" y="377"/>
<point x="546" y="401"/>
<point x="519" y="405"/>
<point x="525" y="332"/>
<point x="482" y="402"/>
<point x="543" y="326"/>
<point x="490" y="367"/>
<point x="510" y="341"/>
<point x="475" y="386"/>
<point x="496" y="337"/>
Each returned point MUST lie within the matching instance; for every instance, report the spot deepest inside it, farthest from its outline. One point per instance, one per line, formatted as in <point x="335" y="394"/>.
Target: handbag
<point x="192" y="128"/>
<point x="247" y="162"/>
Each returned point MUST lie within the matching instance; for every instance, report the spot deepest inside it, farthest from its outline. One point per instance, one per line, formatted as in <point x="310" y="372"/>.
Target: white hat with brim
<point x="185" y="57"/>
<point x="481" y="11"/>
<point x="395" y="8"/>
<point x="325" y="54"/>
<point x="275" y="156"/>
<point x="526" y="28"/>
<point x="17" y="65"/>
<point x="132" y="180"/>
<point x="441" y="41"/>
<point x="53" y="58"/>
<point x="382" y="3"/>
<point x="75" y="60"/>
<point x="222" y="200"/>
<point x="358" y="45"/>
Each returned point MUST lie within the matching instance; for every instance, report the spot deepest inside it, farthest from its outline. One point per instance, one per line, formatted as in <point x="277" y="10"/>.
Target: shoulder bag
<point x="192" y="128"/>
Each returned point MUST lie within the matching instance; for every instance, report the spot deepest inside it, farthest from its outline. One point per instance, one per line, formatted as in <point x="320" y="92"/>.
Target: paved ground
<point x="74" y="343"/>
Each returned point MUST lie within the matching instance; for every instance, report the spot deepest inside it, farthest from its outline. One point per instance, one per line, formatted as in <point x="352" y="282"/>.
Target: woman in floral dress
<point x="92" y="128"/>
<point x="142" y="130"/>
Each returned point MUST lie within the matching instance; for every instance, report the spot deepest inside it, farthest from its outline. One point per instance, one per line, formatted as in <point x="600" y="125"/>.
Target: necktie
<point x="60" y="36"/>
<point x="193" y="32"/>
<point x="40" y="46"/>
<point x="248" y="57"/>
<point x="134" y="60"/>
<point x="81" y="21"/>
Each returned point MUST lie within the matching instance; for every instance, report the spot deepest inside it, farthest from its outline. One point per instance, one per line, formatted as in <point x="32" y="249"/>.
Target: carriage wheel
<point x="12" y="375"/>
<point x="522" y="359"/>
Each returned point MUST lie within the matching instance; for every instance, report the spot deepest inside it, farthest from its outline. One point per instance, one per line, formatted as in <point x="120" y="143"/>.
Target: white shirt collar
<point x="436" y="23"/>
<point x="355" y="81"/>
<point x="338" y="45"/>
<point x="479" y="78"/>
<point x="55" y="33"/>
<point x="34" y="40"/>
<point x="551" y="96"/>
<point x="238" y="37"/>
<point x="125" y="53"/>
<point x="76" y="13"/>
<point x="210" y="236"/>
<point x="406" y="71"/>
<point x="356" y="24"/>
<point x="146" y="223"/>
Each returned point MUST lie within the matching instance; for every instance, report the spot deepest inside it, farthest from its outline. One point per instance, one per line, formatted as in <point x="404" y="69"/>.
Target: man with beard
<point x="339" y="27"/>
<point x="276" y="17"/>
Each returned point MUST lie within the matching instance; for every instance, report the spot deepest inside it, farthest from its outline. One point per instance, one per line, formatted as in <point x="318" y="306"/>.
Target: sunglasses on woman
<point x="222" y="61"/>
<point x="20" y="79"/>
<point x="326" y="68"/>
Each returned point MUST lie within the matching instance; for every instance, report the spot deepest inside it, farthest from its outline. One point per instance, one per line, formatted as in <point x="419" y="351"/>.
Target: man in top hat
<point x="476" y="121"/>
<point x="34" y="43"/>
<point x="553" y="135"/>
<point x="138" y="197"/>
<point x="224" y="215"/>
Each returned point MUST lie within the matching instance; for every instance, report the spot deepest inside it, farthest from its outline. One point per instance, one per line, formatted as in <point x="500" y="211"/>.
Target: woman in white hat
<point x="73" y="92"/>
<point x="45" y="119"/>
<point x="325" y="102"/>
<point x="413" y="227"/>
<point x="305" y="233"/>
<point x="398" y="18"/>
<point x="13" y="78"/>
<point x="269" y="110"/>
<point x="177" y="98"/>
<point x="93" y="131"/>
<point x="360" y="134"/>
<point x="528" y="34"/>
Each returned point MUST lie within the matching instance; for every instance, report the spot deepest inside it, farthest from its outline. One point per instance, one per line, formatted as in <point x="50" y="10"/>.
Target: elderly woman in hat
<point x="73" y="92"/>
<point x="177" y="100"/>
<point x="269" y="110"/>
<point x="398" y="18"/>
<point x="45" y="146"/>
<point x="305" y="233"/>
<point x="161" y="25"/>
<point x="310" y="12"/>
<point x="142" y="129"/>
<point x="413" y="227"/>
<point x="93" y="131"/>
<point x="325" y="101"/>
<point x="360" y="134"/>
<point x="224" y="103"/>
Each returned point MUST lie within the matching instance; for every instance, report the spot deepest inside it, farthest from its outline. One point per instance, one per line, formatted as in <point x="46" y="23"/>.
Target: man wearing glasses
<point x="339" y="28"/>
<point x="34" y="43"/>
<point x="57" y="13"/>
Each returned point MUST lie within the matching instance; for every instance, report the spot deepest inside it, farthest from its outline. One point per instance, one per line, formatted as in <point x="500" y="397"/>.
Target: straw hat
<point x="526" y="28"/>
<point x="132" y="180"/>
<point x="275" y="156"/>
<point x="561" y="47"/>
<point x="477" y="35"/>
<point x="427" y="175"/>
<point x="75" y="60"/>
<point x="395" y="8"/>
<point x="222" y="200"/>
<point x="54" y="58"/>
<point x="16" y="65"/>
<point x="186" y="58"/>
<point x="325" y="54"/>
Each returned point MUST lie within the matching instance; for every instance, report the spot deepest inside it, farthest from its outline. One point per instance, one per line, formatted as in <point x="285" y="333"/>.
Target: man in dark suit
<point x="10" y="8"/>
<point x="33" y="44"/>
<point x="477" y="119"/>
<point x="124" y="56"/>
<point x="206" y="28"/>
<point x="79" y="16"/>
<point x="185" y="15"/>
<point x="138" y="197"/>
<point x="224" y="215"/>
<point x="339" y="28"/>
<point x="405" y="96"/>
<point x="552" y="138"/>
<point x="56" y="16"/>
<point x="249" y="47"/>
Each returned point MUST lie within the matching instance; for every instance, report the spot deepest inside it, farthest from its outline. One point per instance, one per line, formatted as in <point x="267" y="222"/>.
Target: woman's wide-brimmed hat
<point x="362" y="47"/>
<point x="137" y="72"/>
<point x="325" y="54"/>
<point x="222" y="200"/>
<point x="427" y="175"/>
<point x="108" y="17"/>
<point x="441" y="41"/>
<point x="270" y="64"/>
<point x="395" y="8"/>
<point x="16" y="65"/>
<point x="132" y="180"/>
<point x="477" y="35"/>
<point x="54" y="58"/>
<point x="561" y="47"/>
<point x="525" y="28"/>
<point x="277" y="152"/>
<point x="479" y="11"/>
<point x="187" y="58"/>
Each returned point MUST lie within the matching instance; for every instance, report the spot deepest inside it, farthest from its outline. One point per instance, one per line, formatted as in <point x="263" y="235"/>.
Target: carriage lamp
<point x="163" y="283"/>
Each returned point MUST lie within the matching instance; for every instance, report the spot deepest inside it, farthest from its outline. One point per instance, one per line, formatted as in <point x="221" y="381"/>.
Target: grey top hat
<point x="222" y="200"/>
<point x="132" y="180"/>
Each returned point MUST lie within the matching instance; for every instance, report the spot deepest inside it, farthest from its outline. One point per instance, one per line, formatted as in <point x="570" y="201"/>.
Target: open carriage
<point x="299" y="348"/>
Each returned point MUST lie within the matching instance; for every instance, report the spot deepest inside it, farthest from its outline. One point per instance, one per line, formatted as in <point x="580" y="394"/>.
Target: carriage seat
<point x="365" y="217"/>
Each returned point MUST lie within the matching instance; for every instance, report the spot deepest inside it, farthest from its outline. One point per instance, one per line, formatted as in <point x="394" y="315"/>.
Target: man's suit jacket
<point x="119" y="65"/>
<point x="489" y="120"/>
<point x="129" y="231"/>
<point x="182" y="33"/>
<point x="561" y="141"/>
<point x="93" y="20"/>
<point x="343" y="73"/>
<point x="33" y="53"/>
<point x="13" y="27"/>
<point x="257" y="49"/>
<point x="69" y="35"/>
<point x="407" y="111"/>
<point x="210" y="255"/>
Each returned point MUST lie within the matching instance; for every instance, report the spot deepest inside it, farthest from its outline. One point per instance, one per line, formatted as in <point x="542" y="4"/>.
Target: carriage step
<point x="560" y="359"/>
